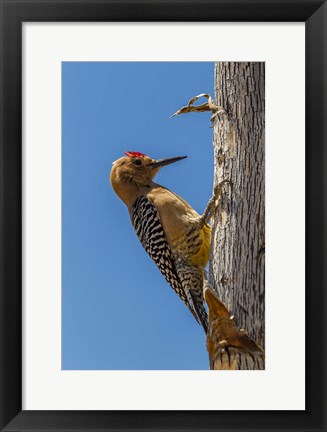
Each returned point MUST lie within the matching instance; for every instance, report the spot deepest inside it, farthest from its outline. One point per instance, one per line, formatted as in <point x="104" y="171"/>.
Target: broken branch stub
<point x="229" y="348"/>
<point x="207" y="106"/>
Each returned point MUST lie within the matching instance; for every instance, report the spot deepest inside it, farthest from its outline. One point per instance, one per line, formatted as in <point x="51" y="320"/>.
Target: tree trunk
<point x="236" y="325"/>
<point x="237" y="264"/>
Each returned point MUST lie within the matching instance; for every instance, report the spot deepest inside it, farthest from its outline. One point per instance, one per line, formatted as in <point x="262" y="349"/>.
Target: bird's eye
<point x="137" y="162"/>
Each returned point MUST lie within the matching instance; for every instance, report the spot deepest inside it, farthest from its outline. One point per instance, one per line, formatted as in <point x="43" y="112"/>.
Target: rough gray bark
<point x="237" y="264"/>
<point x="236" y="324"/>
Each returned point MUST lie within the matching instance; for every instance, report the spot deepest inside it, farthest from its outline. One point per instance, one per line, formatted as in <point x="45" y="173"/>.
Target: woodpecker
<point x="175" y="236"/>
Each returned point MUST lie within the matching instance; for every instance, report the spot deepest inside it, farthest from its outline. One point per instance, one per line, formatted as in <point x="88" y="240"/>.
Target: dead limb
<point x="229" y="348"/>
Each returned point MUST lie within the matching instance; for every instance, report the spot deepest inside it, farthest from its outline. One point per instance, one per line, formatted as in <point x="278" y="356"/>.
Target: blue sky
<point x="118" y="312"/>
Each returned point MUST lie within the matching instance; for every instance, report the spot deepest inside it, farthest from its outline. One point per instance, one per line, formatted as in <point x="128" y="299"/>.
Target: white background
<point x="281" y="385"/>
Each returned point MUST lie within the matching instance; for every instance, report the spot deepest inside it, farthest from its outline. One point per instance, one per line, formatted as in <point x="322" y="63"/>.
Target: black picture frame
<point x="13" y="14"/>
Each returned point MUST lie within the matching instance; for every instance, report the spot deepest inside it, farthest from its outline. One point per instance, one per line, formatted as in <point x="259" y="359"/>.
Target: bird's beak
<point x="163" y="162"/>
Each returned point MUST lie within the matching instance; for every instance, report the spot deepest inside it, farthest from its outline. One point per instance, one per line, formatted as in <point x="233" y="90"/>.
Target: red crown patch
<point x="134" y="154"/>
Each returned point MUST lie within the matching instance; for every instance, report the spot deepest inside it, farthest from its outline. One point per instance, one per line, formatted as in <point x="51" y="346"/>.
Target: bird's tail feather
<point x="191" y="279"/>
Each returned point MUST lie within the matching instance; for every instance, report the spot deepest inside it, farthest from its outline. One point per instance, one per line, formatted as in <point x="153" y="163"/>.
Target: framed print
<point x="83" y="82"/>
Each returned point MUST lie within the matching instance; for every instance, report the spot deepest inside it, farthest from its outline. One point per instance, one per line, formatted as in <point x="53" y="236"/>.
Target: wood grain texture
<point x="237" y="263"/>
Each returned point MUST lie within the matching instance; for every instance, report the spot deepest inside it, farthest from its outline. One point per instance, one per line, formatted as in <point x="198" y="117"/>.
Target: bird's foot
<point x="213" y="203"/>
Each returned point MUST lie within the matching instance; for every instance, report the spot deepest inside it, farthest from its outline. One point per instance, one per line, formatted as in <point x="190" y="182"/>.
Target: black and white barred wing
<point x="148" y="227"/>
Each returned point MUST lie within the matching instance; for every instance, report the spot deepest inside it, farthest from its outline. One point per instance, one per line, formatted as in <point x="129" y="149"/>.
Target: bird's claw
<point x="219" y="188"/>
